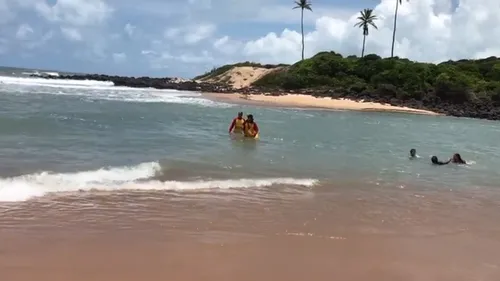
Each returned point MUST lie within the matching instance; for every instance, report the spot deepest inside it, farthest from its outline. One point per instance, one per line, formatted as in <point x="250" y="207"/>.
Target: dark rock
<point x="386" y="94"/>
<point x="148" y="82"/>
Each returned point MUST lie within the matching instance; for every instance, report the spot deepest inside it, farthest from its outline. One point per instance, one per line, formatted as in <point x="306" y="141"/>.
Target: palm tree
<point x="398" y="2"/>
<point x="302" y="5"/>
<point x="366" y="18"/>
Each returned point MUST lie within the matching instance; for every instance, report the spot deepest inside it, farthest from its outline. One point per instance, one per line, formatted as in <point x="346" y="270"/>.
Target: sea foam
<point x="91" y="90"/>
<point x="139" y="177"/>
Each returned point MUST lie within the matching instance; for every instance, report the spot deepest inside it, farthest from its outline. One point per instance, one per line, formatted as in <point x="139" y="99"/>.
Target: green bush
<point x="451" y="81"/>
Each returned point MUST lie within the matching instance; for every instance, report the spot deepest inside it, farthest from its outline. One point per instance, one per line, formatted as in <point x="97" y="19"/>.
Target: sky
<point x="184" y="38"/>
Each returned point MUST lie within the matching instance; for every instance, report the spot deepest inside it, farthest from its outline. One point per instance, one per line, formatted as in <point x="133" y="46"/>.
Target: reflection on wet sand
<point x="278" y="233"/>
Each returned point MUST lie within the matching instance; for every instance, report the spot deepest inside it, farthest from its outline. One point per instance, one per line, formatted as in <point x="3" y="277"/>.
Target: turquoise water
<point x="59" y="136"/>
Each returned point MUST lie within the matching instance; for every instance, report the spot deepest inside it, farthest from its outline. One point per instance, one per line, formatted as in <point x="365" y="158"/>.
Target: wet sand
<point x="307" y="101"/>
<point x="279" y="233"/>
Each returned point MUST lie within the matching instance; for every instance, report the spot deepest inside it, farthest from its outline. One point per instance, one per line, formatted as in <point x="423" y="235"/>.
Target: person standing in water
<point x="236" y="126"/>
<point x="251" y="130"/>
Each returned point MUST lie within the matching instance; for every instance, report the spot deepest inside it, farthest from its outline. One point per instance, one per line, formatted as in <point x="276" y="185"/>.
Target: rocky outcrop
<point x="148" y="82"/>
<point x="482" y="110"/>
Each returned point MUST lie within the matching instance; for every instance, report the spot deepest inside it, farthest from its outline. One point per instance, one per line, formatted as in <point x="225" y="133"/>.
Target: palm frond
<point x="303" y="4"/>
<point x="365" y="19"/>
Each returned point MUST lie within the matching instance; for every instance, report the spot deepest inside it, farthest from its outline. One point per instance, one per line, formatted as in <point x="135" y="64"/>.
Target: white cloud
<point x="36" y="43"/>
<point x="24" y="31"/>
<point x="164" y="59"/>
<point x="6" y="14"/>
<point x="266" y="31"/>
<point x="157" y="60"/>
<point x="201" y="4"/>
<point x="279" y="13"/>
<point x="226" y="45"/>
<point x="119" y="57"/>
<point x="129" y="29"/>
<point x="204" y="57"/>
<point x="71" y="34"/>
<point x="428" y="30"/>
<point x="75" y="12"/>
<point x="191" y="34"/>
<point x="172" y="32"/>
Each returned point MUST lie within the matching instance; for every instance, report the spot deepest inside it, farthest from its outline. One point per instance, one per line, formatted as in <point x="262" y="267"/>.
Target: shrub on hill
<point x="220" y="70"/>
<point x="455" y="82"/>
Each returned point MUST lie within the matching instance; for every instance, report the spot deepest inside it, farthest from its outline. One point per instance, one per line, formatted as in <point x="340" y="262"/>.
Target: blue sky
<point x="186" y="38"/>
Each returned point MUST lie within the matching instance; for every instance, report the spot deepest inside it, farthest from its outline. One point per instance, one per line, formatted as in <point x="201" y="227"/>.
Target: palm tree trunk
<point x="302" y="29"/>
<point x="394" y="29"/>
<point x="363" y="50"/>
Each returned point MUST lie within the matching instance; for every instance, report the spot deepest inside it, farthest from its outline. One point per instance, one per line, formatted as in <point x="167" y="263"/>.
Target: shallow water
<point x="75" y="128"/>
<point x="106" y="183"/>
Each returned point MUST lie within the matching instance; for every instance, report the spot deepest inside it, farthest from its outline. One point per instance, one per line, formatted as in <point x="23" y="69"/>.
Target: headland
<point x="464" y="88"/>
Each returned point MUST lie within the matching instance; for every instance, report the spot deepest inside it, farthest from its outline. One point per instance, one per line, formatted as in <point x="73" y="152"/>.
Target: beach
<point x="278" y="235"/>
<point x="308" y="101"/>
<point x="99" y="182"/>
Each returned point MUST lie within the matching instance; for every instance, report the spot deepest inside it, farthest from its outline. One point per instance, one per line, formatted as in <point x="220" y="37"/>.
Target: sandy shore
<point x="330" y="233"/>
<point x="307" y="101"/>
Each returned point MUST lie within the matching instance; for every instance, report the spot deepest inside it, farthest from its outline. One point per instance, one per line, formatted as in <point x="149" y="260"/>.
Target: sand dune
<point x="241" y="76"/>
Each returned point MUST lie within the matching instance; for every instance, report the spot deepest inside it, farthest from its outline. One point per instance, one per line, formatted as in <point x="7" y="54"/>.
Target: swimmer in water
<point x="457" y="159"/>
<point x="413" y="153"/>
<point x="435" y="161"/>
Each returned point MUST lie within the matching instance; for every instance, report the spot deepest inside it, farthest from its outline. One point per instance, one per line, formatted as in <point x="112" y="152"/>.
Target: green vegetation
<point x="366" y="18"/>
<point x="454" y="82"/>
<point x="302" y="5"/>
<point x="220" y="70"/>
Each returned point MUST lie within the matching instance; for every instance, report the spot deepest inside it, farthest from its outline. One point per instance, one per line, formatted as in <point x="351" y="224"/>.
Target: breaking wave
<point x="91" y="90"/>
<point x="140" y="177"/>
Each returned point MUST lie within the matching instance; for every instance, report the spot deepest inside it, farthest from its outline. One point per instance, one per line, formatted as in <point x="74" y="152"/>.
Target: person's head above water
<point x="240" y="114"/>
<point x="457" y="159"/>
<point x="434" y="160"/>
<point x="413" y="152"/>
<point x="250" y="118"/>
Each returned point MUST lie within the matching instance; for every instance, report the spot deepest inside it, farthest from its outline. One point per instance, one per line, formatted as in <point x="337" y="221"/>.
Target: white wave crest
<point x="25" y="187"/>
<point x="99" y="90"/>
<point x="36" y="73"/>
<point x="33" y="81"/>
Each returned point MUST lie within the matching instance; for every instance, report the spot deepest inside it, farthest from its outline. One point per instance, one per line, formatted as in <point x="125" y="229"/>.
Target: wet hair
<point x="240" y="113"/>
<point x="457" y="158"/>
<point x="250" y="116"/>
<point x="413" y="152"/>
<point x="434" y="160"/>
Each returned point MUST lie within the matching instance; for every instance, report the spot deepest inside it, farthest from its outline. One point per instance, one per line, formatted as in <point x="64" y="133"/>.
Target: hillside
<point x="240" y="75"/>
<point x="468" y="88"/>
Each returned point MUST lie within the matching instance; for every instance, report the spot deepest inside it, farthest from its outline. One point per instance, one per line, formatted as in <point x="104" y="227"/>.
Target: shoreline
<point x="310" y="102"/>
<point x="221" y="87"/>
<point x="378" y="234"/>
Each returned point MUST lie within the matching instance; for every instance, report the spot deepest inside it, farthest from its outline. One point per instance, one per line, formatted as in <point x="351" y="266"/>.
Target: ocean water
<point x="59" y="137"/>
